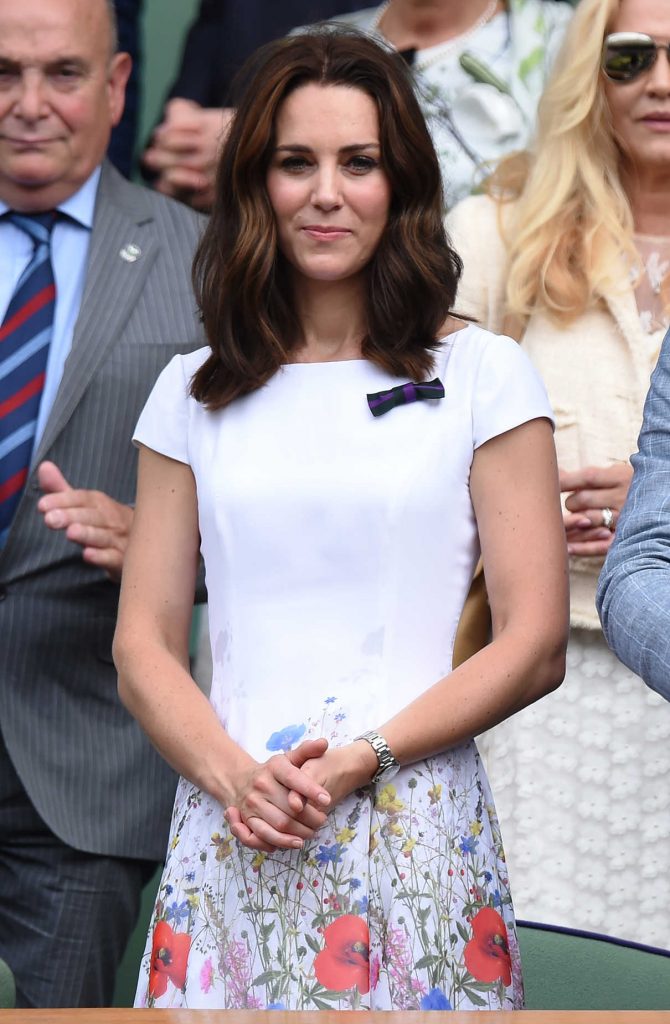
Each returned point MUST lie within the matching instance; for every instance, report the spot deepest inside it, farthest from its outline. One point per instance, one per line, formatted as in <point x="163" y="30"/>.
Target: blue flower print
<point x="190" y="876"/>
<point x="488" y="877"/>
<point x="360" y="907"/>
<point x="276" y="1006"/>
<point x="468" y="844"/>
<point x="330" y="700"/>
<point x="329" y="854"/>
<point x="340" y="716"/>
<point x="355" y="883"/>
<point x="177" y="912"/>
<point x="286" y="738"/>
<point x="435" y="1000"/>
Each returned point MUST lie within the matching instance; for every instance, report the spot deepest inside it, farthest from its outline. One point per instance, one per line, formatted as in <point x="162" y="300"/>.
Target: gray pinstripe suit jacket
<point x="86" y="765"/>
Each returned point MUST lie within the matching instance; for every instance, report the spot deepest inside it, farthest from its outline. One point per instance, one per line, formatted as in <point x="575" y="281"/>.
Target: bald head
<point x="63" y="91"/>
<point x="113" y="25"/>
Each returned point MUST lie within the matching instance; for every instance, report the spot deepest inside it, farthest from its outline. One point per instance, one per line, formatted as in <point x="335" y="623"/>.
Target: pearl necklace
<point x="451" y="44"/>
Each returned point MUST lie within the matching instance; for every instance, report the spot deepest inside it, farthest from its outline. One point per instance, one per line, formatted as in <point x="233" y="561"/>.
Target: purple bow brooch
<point x="381" y="401"/>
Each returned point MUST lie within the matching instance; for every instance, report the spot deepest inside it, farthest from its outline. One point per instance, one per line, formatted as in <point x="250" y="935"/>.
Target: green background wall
<point x="165" y="24"/>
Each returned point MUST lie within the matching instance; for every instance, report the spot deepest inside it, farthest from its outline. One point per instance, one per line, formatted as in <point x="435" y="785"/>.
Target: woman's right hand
<point x="276" y="805"/>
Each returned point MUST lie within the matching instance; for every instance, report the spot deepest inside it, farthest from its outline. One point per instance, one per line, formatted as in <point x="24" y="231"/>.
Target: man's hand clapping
<point x="91" y="519"/>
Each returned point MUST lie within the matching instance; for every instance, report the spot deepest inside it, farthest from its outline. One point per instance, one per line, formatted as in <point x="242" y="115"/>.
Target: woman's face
<point x="641" y="108"/>
<point x="328" y="191"/>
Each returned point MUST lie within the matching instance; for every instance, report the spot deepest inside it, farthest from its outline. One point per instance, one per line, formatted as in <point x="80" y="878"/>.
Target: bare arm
<point x="151" y="655"/>
<point x="514" y="486"/>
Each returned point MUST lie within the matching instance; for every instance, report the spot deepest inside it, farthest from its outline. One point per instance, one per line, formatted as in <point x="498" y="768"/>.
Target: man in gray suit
<point x="84" y="800"/>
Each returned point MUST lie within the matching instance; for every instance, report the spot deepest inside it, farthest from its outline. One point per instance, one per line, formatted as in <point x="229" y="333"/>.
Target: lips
<point x="27" y="142"/>
<point x="657" y="117"/>
<point x="325" y="232"/>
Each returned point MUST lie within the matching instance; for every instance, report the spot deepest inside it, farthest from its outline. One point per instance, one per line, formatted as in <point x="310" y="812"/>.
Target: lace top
<point x="653" y="299"/>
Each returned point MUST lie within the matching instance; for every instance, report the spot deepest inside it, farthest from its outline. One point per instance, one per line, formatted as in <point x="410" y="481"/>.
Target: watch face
<point x="386" y="774"/>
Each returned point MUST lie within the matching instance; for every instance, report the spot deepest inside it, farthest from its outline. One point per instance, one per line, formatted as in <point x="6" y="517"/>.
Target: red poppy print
<point x="344" y="962"/>
<point x="487" y="953"/>
<point x="169" y="956"/>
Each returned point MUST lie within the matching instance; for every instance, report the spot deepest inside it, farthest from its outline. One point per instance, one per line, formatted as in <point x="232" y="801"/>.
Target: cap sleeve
<point x="508" y="391"/>
<point x="163" y="423"/>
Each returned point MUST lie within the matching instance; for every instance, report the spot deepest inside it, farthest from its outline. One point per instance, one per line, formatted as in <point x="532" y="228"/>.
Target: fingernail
<point x="323" y="798"/>
<point x="571" y="550"/>
<point x="53" y="519"/>
<point x="297" y="843"/>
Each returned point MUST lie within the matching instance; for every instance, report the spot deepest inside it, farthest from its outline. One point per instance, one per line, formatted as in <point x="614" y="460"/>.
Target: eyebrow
<point x="52" y="62"/>
<point x="355" y="147"/>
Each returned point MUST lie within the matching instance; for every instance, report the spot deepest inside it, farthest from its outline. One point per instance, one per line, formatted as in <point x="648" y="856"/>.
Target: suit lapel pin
<point x="130" y="253"/>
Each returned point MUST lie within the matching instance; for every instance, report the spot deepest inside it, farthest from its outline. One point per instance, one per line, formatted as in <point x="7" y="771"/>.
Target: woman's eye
<point x="294" y="164"/>
<point x="362" y="164"/>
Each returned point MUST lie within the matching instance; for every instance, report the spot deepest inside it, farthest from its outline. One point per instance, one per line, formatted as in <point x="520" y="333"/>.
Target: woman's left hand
<point x="595" y="491"/>
<point x="341" y="770"/>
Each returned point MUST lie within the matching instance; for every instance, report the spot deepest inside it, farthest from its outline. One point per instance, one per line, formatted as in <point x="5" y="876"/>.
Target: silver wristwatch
<point x="388" y="765"/>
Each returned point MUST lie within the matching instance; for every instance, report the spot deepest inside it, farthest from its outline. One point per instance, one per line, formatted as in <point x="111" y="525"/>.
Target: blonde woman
<point x="570" y="252"/>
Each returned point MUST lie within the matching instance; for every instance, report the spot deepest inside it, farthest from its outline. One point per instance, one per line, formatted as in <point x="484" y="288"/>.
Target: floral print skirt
<point x="400" y="902"/>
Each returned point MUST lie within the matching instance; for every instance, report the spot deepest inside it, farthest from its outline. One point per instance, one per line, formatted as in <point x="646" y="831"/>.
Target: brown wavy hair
<point x="242" y="281"/>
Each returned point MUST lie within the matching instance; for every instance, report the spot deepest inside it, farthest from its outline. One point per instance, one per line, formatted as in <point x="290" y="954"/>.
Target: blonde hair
<point x="572" y="223"/>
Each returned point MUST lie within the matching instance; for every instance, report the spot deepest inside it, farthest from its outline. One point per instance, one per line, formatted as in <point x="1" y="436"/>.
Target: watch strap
<point x="388" y="764"/>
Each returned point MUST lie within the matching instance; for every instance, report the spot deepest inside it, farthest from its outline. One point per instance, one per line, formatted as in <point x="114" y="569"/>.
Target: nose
<point x="658" y="78"/>
<point x="326" y="193"/>
<point x="30" y="103"/>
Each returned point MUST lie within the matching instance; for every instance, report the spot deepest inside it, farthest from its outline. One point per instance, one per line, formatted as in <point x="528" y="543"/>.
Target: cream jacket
<point x="596" y="370"/>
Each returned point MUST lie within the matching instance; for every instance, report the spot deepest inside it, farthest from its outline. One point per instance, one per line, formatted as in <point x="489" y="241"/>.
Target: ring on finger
<point x="608" y="519"/>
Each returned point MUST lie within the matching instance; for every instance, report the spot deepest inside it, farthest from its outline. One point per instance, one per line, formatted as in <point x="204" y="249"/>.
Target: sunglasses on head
<point x="629" y="54"/>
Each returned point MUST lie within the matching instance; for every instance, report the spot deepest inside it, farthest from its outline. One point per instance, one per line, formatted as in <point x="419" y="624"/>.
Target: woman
<point x="334" y="843"/>
<point x="479" y="69"/>
<point x="570" y="253"/>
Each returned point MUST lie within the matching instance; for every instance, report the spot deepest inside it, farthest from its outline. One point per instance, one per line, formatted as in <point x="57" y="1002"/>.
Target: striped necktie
<point x="25" y="334"/>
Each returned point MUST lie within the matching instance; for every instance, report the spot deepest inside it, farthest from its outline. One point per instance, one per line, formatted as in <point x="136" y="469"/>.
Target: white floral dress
<point x="339" y="547"/>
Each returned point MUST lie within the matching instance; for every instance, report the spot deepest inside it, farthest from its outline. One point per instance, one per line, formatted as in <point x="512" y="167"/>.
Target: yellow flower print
<point x="374" y="842"/>
<point x="408" y="847"/>
<point x="388" y="802"/>
<point x="345" y="835"/>
<point x="175" y="842"/>
<point x="258" y="860"/>
<point x="435" y="793"/>
<point x="394" y="828"/>
<point x="193" y="901"/>
<point x="224" y="847"/>
<point x="475" y="828"/>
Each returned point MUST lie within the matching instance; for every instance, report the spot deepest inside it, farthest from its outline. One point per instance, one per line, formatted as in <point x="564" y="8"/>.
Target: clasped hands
<point x="285" y="800"/>
<point x="592" y="489"/>
<point x="184" y="151"/>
